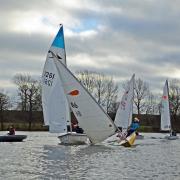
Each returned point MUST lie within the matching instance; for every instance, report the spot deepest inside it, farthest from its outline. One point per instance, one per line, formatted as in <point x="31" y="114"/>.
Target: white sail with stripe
<point x="55" y="105"/>
<point x="124" y="113"/>
<point x="165" y="111"/>
<point x="91" y="117"/>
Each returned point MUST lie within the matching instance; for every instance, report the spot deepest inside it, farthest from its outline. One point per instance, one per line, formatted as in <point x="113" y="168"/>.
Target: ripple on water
<point x="41" y="157"/>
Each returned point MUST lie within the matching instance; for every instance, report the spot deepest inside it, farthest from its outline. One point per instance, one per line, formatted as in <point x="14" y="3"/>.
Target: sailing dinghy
<point x="91" y="117"/>
<point x="129" y="141"/>
<point x="123" y="117"/>
<point x="56" y="110"/>
<point x="165" y="113"/>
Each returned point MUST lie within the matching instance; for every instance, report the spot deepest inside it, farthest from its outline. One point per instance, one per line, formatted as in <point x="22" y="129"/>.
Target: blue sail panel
<point x="59" y="39"/>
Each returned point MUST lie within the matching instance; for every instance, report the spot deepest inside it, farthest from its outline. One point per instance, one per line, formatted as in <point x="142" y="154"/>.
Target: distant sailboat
<point x="165" y="113"/>
<point x="91" y="117"/>
<point x="123" y="117"/>
<point x="56" y="110"/>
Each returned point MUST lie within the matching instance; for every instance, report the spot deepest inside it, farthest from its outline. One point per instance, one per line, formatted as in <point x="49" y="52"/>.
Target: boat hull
<point x="129" y="141"/>
<point x="171" y="137"/>
<point x="73" y="139"/>
<point x="12" y="138"/>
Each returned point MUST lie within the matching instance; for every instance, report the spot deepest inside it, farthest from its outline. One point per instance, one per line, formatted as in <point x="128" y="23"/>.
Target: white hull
<point x="171" y="137"/>
<point x="73" y="139"/>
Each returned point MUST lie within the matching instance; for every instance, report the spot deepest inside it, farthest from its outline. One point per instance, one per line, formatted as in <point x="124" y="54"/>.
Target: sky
<point x="117" y="38"/>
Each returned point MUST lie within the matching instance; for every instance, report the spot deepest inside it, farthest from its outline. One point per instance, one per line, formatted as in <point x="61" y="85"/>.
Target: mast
<point x="132" y="96"/>
<point x="61" y="25"/>
<point x="65" y="63"/>
<point x="131" y="112"/>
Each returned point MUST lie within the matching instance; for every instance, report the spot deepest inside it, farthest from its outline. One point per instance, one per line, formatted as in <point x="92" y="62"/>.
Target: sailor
<point x="79" y="130"/>
<point x="173" y="133"/>
<point x="133" y="127"/>
<point x="11" y="130"/>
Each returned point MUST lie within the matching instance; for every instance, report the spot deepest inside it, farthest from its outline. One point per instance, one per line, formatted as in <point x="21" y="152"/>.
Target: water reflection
<point x="70" y="162"/>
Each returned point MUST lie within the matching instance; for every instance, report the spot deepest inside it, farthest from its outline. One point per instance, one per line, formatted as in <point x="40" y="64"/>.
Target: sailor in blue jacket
<point x="134" y="126"/>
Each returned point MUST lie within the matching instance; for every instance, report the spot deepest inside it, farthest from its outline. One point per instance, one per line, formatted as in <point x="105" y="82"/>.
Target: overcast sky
<point x="115" y="37"/>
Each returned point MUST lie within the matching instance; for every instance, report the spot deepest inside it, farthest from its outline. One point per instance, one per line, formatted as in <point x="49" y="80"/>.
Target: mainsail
<point x="165" y="111"/>
<point x="55" y="105"/>
<point x="124" y="113"/>
<point x="91" y="117"/>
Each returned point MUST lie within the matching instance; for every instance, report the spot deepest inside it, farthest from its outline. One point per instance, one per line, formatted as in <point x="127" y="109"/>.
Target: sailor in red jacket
<point x="11" y="130"/>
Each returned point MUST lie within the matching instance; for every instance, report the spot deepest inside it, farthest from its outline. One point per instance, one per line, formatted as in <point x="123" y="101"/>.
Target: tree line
<point x="103" y="88"/>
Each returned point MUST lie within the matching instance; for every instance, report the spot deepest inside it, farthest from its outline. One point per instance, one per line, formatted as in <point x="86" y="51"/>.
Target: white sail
<point x="124" y="113"/>
<point x="165" y="111"/>
<point x="91" y="117"/>
<point x="55" y="105"/>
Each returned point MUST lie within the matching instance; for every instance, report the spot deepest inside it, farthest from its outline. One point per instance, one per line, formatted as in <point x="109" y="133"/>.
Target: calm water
<point x="41" y="157"/>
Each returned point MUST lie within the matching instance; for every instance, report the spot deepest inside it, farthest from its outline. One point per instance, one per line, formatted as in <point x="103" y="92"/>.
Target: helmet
<point x="136" y="119"/>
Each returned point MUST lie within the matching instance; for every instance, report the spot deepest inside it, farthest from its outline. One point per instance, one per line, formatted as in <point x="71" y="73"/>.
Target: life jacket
<point x="134" y="126"/>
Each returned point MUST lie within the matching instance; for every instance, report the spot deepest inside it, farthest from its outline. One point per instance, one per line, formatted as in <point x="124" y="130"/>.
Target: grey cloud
<point x="147" y="33"/>
<point x="21" y="5"/>
<point x="159" y="21"/>
<point x="19" y="43"/>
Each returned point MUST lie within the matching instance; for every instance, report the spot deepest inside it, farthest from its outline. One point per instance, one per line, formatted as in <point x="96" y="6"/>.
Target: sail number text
<point x="75" y="108"/>
<point x="48" y="78"/>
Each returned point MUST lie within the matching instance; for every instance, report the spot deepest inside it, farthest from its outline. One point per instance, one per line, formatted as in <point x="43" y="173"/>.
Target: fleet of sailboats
<point x="62" y="93"/>
<point x="165" y="113"/>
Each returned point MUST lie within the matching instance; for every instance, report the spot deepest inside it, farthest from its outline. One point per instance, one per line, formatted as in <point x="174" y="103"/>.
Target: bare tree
<point x="94" y="83"/>
<point x="151" y="106"/>
<point x="22" y="82"/>
<point x="29" y="93"/>
<point x="4" y="105"/>
<point x="174" y="97"/>
<point x="111" y="95"/>
<point x="32" y="93"/>
<point x="87" y="79"/>
<point x="37" y="102"/>
<point x="101" y="87"/>
<point x="140" y="94"/>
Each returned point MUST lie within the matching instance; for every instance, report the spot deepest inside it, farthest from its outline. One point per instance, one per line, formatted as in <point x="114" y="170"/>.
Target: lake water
<point x="41" y="157"/>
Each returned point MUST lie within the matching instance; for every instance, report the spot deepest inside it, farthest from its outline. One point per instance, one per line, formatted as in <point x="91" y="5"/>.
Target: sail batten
<point x="91" y="117"/>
